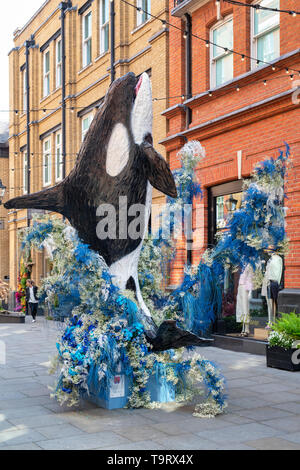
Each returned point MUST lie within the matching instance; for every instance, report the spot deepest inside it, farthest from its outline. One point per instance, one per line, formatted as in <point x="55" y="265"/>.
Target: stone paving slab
<point x="272" y="443"/>
<point x="87" y="442"/>
<point x="263" y="406"/>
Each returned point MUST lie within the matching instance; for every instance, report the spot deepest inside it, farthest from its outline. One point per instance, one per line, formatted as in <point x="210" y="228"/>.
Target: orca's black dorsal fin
<point x="51" y="199"/>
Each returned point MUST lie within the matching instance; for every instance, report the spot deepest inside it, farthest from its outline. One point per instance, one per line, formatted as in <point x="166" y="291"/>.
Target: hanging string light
<point x="204" y="40"/>
<point x="259" y="7"/>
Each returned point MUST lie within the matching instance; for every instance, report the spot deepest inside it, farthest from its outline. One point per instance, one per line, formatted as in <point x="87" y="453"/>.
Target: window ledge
<point x="85" y="68"/>
<point x="45" y="97"/>
<point x="140" y="26"/>
<point x="101" y="55"/>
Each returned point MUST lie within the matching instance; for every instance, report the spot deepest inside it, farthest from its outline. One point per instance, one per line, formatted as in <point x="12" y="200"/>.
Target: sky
<point x="15" y="15"/>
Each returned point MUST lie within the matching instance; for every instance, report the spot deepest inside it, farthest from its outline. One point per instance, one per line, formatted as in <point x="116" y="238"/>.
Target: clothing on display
<point x="243" y="299"/>
<point x="271" y="283"/>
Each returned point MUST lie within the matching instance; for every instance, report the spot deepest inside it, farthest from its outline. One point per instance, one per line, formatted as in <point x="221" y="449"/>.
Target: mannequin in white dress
<point x="270" y="286"/>
<point x="243" y="299"/>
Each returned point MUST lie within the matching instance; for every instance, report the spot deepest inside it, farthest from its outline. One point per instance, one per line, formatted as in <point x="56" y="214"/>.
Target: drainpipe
<point x="28" y="44"/>
<point x="112" y="41"/>
<point x="63" y="7"/>
<point x="188" y="65"/>
<point x="188" y="76"/>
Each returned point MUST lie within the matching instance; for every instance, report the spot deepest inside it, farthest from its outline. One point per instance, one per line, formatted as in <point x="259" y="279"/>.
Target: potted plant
<point x="283" y="350"/>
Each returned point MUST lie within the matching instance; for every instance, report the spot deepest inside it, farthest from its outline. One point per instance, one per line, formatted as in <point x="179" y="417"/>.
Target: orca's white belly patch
<point x="117" y="150"/>
<point x="127" y="266"/>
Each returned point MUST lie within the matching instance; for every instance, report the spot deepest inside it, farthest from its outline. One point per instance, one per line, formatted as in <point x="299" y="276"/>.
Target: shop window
<point x="85" y="124"/>
<point x="104" y="26"/>
<point x="47" y="162"/>
<point x="265" y="32"/>
<point x="58" y="157"/>
<point x="143" y="14"/>
<point x="221" y="57"/>
<point x="87" y="39"/>
<point x="46" y="73"/>
<point x="58" y="63"/>
<point x="226" y="205"/>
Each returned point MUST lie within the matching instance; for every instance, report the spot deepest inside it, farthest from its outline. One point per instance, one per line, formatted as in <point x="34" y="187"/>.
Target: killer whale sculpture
<point x="117" y="161"/>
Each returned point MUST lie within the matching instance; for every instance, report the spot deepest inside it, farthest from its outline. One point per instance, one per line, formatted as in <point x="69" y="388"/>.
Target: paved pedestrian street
<point x="263" y="405"/>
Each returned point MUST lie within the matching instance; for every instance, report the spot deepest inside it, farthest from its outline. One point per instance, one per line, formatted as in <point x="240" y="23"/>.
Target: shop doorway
<point x="223" y="200"/>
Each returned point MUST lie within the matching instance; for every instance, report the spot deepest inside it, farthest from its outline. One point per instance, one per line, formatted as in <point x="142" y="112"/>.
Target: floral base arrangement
<point x="103" y="330"/>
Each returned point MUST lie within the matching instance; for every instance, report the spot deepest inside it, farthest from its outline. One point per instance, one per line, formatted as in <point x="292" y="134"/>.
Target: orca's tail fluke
<point x="170" y="336"/>
<point x="48" y="199"/>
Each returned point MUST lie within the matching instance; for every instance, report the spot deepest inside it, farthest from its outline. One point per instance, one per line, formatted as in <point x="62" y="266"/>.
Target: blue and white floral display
<point x="256" y="226"/>
<point x="104" y="331"/>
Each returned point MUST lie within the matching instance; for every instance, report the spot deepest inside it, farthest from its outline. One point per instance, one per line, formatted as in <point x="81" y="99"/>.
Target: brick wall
<point x="256" y="120"/>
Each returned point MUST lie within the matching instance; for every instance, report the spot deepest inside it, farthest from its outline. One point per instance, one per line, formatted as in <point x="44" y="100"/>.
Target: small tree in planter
<point x="283" y="350"/>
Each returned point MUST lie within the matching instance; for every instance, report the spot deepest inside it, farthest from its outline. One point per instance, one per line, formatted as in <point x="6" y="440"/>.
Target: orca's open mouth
<point x="138" y="85"/>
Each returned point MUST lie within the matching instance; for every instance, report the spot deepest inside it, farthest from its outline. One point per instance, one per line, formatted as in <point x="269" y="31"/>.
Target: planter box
<point x="280" y="358"/>
<point x="11" y="317"/>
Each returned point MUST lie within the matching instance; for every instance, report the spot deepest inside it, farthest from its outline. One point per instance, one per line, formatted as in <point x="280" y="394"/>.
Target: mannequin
<point x="243" y="299"/>
<point x="270" y="286"/>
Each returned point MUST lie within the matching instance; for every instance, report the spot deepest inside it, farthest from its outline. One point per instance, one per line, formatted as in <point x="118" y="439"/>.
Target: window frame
<point x="213" y="60"/>
<point x="104" y="27"/>
<point x="24" y="83"/>
<point x="48" y="154"/>
<point x="86" y="116"/>
<point x="255" y="37"/>
<point x="25" y="171"/>
<point x="46" y="74"/>
<point x="85" y="41"/>
<point x="58" y="63"/>
<point x="141" y="16"/>
<point x="58" y="158"/>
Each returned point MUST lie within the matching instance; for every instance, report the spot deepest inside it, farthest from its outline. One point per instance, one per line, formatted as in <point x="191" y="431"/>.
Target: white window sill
<point x="85" y="68"/>
<point x="46" y="97"/>
<point x="45" y="185"/>
<point x="140" y="26"/>
<point x="101" y="55"/>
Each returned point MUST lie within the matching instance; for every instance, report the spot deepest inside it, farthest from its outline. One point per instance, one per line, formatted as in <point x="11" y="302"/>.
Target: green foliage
<point x="258" y="312"/>
<point x="288" y="324"/>
<point x="231" y="324"/>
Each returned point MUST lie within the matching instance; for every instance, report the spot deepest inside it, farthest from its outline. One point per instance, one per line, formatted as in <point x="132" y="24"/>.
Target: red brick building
<point x="241" y="110"/>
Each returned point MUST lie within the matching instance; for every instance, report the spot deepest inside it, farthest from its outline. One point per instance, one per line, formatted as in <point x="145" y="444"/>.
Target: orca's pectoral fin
<point x="48" y="199"/>
<point x="158" y="171"/>
<point x="170" y="336"/>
